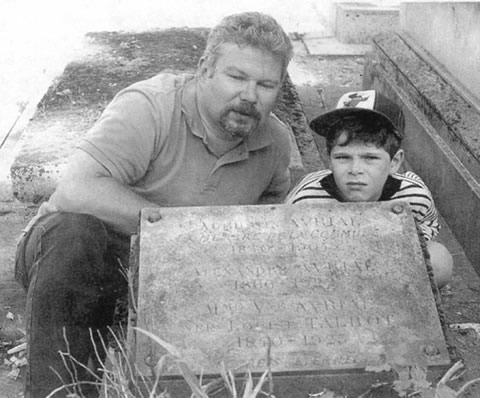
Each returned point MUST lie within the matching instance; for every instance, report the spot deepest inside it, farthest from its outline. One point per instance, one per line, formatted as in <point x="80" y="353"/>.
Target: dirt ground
<point x="119" y="59"/>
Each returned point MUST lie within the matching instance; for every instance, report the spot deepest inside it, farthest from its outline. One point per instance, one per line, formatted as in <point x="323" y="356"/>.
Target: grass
<point x="119" y="377"/>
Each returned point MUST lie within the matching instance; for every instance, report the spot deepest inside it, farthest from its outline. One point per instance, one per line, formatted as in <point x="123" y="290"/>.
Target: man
<point x="208" y="139"/>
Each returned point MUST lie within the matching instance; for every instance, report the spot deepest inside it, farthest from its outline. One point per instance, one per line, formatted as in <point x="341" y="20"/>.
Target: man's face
<point x="240" y="90"/>
<point x="361" y="169"/>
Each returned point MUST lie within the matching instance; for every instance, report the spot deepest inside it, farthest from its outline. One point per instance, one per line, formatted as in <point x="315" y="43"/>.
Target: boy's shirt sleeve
<point x="429" y="224"/>
<point x="310" y="189"/>
<point x="416" y="192"/>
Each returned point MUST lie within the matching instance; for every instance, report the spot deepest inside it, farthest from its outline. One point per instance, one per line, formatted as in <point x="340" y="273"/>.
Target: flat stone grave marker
<point x="342" y="288"/>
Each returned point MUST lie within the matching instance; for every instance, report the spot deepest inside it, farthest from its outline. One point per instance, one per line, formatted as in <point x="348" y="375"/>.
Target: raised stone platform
<point x="359" y="22"/>
<point x="441" y="140"/>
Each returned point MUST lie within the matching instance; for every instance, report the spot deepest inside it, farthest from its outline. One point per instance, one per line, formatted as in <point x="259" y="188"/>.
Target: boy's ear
<point x="397" y="161"/>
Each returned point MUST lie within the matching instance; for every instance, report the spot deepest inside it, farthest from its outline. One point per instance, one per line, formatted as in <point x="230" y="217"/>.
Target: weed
<point x="119" y="377"/>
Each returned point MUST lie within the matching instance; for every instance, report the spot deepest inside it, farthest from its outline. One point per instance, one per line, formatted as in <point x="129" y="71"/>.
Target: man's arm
<point x="87" y="187"/>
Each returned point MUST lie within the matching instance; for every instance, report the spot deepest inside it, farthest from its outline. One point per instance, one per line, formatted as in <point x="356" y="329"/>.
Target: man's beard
<point x="239" y="121"/>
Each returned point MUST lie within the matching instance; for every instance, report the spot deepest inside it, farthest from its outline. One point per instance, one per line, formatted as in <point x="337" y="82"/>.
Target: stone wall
<point x="450" y="33"/>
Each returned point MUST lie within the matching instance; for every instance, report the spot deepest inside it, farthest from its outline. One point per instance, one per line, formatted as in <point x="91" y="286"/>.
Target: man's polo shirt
<point x="152" y="139"/>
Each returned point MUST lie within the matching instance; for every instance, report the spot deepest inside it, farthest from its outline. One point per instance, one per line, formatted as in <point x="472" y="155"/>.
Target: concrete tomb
<point x="325" y="290"/>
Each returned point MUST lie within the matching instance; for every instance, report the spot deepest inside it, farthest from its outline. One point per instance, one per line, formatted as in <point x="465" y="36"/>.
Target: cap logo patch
<point x="353" y="100"/>
<point x="358" y="99"/>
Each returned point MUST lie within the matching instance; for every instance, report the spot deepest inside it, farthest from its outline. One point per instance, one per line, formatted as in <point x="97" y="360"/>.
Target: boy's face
<point x="361" y="169"/>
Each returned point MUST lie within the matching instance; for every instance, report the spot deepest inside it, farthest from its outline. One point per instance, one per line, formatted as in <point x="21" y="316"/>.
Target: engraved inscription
<point x="322" y="315"/>
<point x="301" y="234"/>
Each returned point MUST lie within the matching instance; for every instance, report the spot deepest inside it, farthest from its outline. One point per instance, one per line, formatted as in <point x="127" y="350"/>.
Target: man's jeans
<point x="70" y="265"/>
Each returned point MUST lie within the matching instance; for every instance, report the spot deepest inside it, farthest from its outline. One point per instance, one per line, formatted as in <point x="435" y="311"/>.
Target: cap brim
<point x="321" y="124"/>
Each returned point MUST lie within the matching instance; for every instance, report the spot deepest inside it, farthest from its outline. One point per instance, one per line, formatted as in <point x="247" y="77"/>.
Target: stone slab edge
<point x="440" y="147"/>
<point x="359" y="7"/>
<point x="330" y="46"/>
<point x="442" y="70"/>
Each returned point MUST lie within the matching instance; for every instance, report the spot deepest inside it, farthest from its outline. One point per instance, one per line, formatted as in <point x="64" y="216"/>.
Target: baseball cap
<point x="369" y="103"/>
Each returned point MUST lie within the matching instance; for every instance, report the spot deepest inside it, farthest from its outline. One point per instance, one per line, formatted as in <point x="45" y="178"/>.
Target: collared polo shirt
<point x="151" y="138"/>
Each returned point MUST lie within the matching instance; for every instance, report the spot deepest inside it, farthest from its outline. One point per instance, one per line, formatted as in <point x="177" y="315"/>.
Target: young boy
<point x="363" y="137"/>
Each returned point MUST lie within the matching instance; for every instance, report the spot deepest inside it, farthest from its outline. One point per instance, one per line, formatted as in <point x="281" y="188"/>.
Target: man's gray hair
<point x="250" y="29"/>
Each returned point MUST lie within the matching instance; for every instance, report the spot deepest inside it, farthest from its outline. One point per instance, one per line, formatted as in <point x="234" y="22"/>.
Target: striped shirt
<point x="320" y="187"/>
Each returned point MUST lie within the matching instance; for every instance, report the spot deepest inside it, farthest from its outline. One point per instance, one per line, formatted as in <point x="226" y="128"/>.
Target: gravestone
<point x="310" y="290"/>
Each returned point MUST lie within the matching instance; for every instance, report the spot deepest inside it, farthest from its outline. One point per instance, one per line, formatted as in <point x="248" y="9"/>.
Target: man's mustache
<point x="247" y="109"/>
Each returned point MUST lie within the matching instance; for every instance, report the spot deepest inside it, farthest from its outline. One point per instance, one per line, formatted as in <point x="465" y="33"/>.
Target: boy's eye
<point x="371" y="157"/>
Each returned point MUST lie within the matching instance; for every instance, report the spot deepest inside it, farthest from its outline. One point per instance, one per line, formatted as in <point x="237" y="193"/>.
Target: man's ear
<point x="203" y="68"/>
<point x="397" y="161"/>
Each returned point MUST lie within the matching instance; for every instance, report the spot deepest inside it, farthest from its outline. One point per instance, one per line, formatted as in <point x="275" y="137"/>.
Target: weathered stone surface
<point x="338" y="288"/>
<point x="359" y="22"/>
<point x="450" y="31"/>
